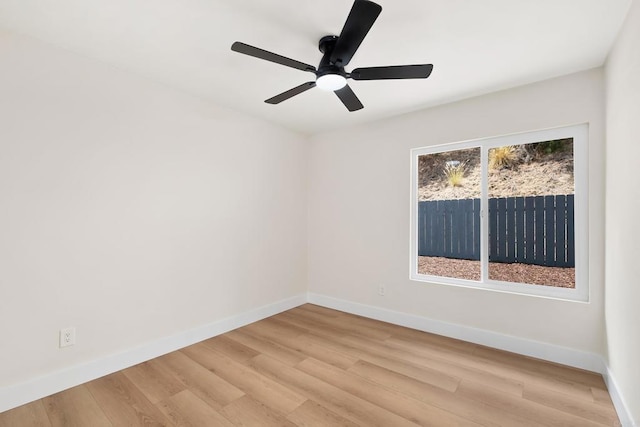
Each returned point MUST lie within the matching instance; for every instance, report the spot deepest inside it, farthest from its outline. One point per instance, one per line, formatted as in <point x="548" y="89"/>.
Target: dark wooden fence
<point x="449" y="228"/>
<point x="530" y="230"/>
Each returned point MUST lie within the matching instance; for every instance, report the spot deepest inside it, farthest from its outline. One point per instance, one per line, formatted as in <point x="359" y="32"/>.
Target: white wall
<point x="132" y="211"/>
<point x="623" y="204"/>
<point x="359" y="212"/>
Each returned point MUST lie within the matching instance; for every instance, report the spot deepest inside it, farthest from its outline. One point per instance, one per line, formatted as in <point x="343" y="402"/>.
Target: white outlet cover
<point x="67" y="337"/>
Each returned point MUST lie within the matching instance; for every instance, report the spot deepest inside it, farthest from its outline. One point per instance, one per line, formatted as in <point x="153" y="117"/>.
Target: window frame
<point x="580" y="135"/>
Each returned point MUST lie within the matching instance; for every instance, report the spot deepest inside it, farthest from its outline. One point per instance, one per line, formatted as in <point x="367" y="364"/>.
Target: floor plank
<point x="155" y="382"/>
<point x="522" y="407"/>
<point x="302" y="344"/>
<point x="187" y="409"/>
<point x="335" y="399"/>
<point x="601" y="396"/>
<point x="265" y="346"/>
<point x="209" y="387"/>
<point x="263" y="389"/>
<point x="542" y="368"/>
<point x="398" y="403"/>
<point x="32" y="414"/>
<point x="312" y="414"/>
<point x="339" y="324"/>
<point x="75" y="407"/>
<point x="570" y="404"/>
<point x="123" y="402"/>
<point x="249" y="412"/>
<point x="464" y="407"/>
<point x="231" y="348"/>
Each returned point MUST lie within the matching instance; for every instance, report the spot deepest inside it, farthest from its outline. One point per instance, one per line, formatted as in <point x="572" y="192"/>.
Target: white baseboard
<point x="618" y="400"/>
<point x="37" y="388"/>
<point x="545" y="351"/>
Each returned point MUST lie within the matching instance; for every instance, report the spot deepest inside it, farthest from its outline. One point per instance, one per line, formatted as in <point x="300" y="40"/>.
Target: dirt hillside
<point x="530" y="174"/>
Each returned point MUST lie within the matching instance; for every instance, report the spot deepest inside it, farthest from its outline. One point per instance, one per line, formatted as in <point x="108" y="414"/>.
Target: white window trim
<point x="580" y="135"/>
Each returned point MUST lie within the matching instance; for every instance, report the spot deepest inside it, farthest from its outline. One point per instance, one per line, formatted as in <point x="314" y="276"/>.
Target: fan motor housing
<point x="326" y="45"/>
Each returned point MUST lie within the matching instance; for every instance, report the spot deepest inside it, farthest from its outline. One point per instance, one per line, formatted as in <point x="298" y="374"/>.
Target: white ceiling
<point x="476" y="46"/>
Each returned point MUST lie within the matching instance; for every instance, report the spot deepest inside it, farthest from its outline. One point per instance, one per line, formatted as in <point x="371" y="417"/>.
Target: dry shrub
<point x="501" y="157"/>
<point x="454" y="173"/>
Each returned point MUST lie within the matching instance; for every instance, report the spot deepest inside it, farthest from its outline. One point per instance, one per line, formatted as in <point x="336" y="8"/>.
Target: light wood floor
<point x="312" y="366"/>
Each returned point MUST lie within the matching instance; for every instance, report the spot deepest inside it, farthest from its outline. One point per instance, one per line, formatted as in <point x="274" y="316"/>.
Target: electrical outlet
<point x="381" y="290"/>
<point x="67" y="337"/>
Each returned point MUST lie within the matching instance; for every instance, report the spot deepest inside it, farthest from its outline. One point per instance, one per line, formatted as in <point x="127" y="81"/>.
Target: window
<point x="507" y="213"/>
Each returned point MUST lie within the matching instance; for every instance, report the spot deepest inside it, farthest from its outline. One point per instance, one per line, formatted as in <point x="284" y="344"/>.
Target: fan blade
<point x="393" y="72"/>
<point x="270" y="56"/>
<point x="360" y="20"/>
<point x="291" y="93"/>
<point x="349" y="99"/>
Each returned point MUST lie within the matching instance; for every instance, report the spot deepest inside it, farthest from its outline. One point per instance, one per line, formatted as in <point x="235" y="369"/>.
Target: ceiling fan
<point x="337" y="52"/>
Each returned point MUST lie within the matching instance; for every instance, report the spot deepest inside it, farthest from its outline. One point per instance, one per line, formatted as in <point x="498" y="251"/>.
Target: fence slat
<point x="571" y="252"/>
<point x="549" y="231"/>
<point x="493" y="228"/>
<point x="439" y="231"/>
<point x="473" y="218"/>
<point x="529" y="219"/>
<point x="561" y="229"/>
<point x="431" y="242"/>
<point x="501" y="252"/>
<point x="539" y="228"/>
<point x="423" y="229"/>
<point x="458" y="228"/>
<point x="464" y="226"/>
<point x="476" y="228"/>
<point x="510" y="228"/>
<point x="520" y="234"/>
<point x="448" y="229"/>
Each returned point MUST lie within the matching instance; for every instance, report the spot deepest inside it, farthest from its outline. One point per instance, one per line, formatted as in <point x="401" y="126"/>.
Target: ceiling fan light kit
<point x="331" y="82"/>
<point x="337" y="52"/>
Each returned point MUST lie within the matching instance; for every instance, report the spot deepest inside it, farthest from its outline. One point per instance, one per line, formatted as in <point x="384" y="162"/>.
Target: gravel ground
<point x="521" y="273"/>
